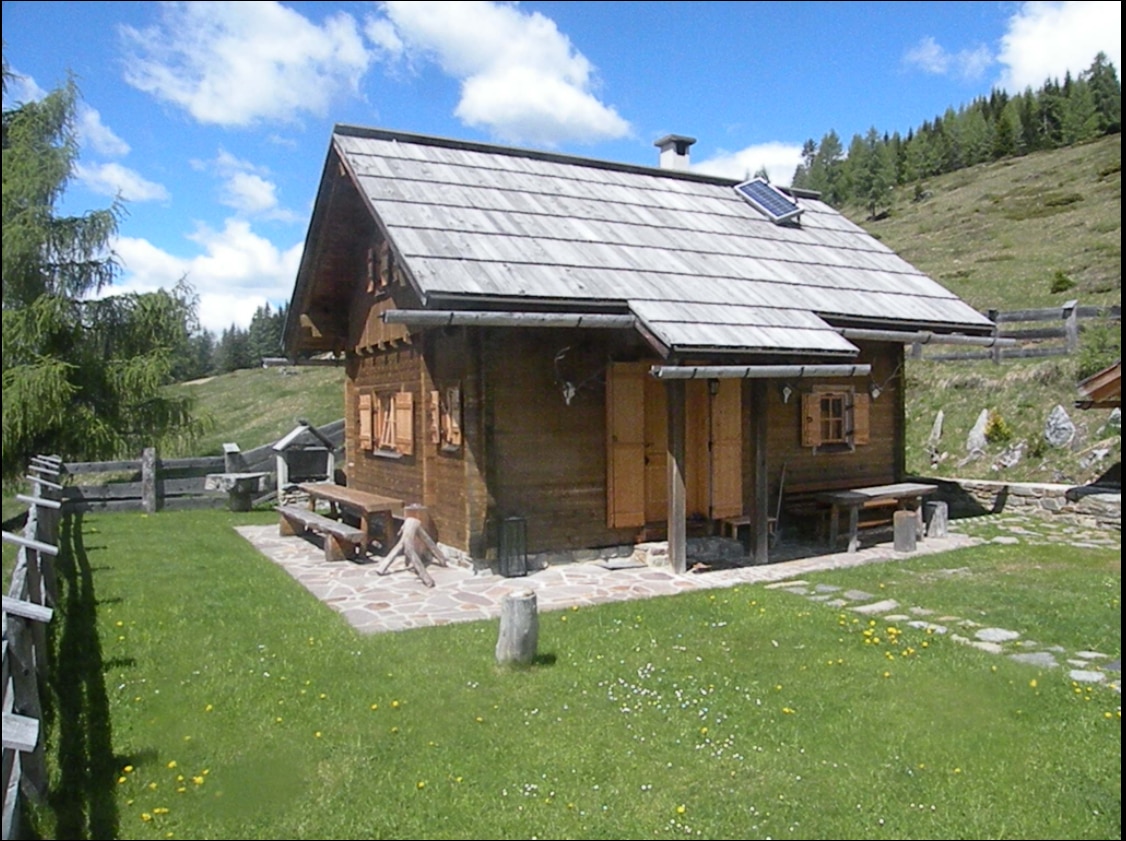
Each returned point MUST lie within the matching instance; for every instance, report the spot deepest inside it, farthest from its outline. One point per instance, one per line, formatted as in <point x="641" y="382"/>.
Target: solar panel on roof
<point x="769" y="200"/>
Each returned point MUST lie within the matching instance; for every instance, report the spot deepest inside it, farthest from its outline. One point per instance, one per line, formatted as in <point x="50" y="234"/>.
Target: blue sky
<point x="212" y="120"/>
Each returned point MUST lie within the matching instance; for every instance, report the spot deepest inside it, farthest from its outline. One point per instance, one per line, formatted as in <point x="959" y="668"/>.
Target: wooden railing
<point x="28" y="607"/>
<point x="1060" y="339"/>
<point x="151" y="483"/>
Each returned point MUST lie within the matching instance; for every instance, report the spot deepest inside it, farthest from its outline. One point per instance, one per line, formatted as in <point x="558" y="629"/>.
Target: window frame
<point x="818" y="428"/>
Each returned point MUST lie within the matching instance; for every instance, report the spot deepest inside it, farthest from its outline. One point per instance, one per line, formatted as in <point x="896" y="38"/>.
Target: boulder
<point x="1059" y="431"/>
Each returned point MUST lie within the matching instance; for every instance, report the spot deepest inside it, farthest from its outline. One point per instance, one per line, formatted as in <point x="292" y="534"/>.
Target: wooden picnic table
<point x="903" y="495"/>
<point x="364" y="505"/>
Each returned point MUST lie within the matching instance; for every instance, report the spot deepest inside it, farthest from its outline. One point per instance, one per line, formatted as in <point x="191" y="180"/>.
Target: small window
<point x="834" y="419"/>
<point x="445" y="418"/>
<point x="387" y="423"/>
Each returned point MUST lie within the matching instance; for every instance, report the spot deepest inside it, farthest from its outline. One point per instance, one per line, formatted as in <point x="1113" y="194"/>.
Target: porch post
<point x="760" y="505"/>
<point x="678" y="555"/>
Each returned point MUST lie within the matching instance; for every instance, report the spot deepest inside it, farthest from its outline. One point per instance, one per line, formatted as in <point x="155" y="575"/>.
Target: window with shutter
<point x="387" y="422"/>
<point x="835" y="418"/>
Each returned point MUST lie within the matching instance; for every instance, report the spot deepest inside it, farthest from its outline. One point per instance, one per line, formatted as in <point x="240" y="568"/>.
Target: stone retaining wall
<point x="970" y="497"/>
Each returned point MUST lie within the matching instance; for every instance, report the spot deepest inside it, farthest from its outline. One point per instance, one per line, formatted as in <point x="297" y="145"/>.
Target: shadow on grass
<point x="82" y="800"/>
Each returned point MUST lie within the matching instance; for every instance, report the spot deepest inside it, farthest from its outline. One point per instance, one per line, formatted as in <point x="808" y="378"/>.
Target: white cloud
<point x="246" y="187"/>
<point x="116" y="180"/>
<point x="930" y="57"/>
<point x="521" y="78"/>
<point x="21" y="89"/>
<point x="97" y="136"/>
<point x="235" y="64"/>
<point x="1046" y="40"/>
<point x="779" y="159"/>
<point x="237" y="272"/>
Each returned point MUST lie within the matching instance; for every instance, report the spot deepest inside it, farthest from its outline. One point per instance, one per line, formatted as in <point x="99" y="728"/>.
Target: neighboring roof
<point x="1102" y="390"/>
<point x="302" y="437"/>
<point x="480" y="226"/>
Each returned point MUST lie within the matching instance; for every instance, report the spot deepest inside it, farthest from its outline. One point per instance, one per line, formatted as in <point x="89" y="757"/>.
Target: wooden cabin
<point x="611" y="352"/>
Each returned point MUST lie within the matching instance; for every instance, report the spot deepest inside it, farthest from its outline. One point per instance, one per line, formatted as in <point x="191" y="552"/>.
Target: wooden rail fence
<point x="28" y="607"/>
<point x="1060" y="339"/>
<point x="152" y="484"/>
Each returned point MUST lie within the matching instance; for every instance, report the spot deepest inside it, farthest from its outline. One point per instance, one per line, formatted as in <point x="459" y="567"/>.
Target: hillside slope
<point x="1000" y="235"/>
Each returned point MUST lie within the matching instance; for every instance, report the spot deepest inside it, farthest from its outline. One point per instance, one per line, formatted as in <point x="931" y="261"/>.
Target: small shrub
<point x="997" y="429"/>
<point x="1099" y="345"/>
<point x="1061" y="282"/>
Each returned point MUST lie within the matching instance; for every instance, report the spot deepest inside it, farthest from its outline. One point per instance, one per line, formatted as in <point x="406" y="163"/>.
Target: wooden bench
<point x="899" y="495"/>
<point x="363" y="505"/>
<point x="341" y="541"/>
<point x="807" y="502"/>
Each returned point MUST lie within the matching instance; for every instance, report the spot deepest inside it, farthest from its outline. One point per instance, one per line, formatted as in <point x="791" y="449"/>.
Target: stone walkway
<point x="374" y="603"/>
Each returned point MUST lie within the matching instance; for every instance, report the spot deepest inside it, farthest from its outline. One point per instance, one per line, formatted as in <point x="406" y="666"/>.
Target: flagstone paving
<point x="375" y="603"/>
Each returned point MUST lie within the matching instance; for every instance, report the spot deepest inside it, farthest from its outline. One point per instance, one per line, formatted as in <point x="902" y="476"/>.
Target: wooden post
<point x="993" y="315"/>
<point x="519" y="629"/>
<point x="1070" y="315"/>
<point x="148" y="480"/>
<point x="905" y="525"/>
<point x="678" y="495"/>
<point x="760" y="504"/>
<point x="937" y="516"/>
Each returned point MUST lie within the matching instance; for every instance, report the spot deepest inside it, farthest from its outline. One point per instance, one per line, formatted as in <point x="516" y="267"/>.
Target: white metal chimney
<point x="674" y="151"/>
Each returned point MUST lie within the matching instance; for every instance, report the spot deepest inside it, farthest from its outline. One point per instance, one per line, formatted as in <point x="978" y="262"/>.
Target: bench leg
<point x="286" y="528"/>
<point x="338" y="549"/>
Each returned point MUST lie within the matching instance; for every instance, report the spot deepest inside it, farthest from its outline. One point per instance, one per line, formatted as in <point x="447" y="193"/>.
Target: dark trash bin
<point x="513" y="548"/>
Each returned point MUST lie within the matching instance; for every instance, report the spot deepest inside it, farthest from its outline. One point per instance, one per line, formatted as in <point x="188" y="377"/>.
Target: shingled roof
<point x="480" y="227"/>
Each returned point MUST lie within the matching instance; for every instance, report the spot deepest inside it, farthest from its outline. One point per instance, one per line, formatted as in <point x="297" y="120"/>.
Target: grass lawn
<point x="199" y="692"/>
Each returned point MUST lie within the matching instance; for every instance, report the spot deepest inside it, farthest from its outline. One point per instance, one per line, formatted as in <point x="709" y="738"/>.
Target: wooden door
<point x="625" y="436"/>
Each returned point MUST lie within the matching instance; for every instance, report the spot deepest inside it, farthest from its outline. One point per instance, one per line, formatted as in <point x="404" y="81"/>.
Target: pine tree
<point x="82" y="378"/>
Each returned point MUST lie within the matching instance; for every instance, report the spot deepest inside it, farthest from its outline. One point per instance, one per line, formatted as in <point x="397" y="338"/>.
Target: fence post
<point x="1070" y="315"/>
<point x="148" y="480"/>
<point x="993" y="315"/>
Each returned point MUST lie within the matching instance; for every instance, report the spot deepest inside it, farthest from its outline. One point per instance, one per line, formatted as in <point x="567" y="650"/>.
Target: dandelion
<point x="479" y="720"/>
<point x="887" y="674"/>
<point x="152" y="786"/>
<point x="172" y="763"/>
<point x="394" y="729"/>
<point x="160" y="810"/>
<point x="421" y="784"/>
<point x="562" y="618"/>
<point x="317" y="735"/>
<point x="278" y="719"/>
<point x="146" y="817"/>
<point x="208" y="708"/>
<point x="128" y="769"/>
<point x="120" y="780"/>
<point x="787" y="711"/>
<point x="375" y="706"/>
<point x="198" y="780"/>
<point x="681" y="809"/>
<point x="1032" y="683"/>
<point x="394" y="705"/>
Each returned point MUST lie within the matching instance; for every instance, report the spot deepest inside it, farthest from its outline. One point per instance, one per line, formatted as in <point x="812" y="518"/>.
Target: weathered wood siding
<point x="547" y="458"/>
<point x="876" y="463"/>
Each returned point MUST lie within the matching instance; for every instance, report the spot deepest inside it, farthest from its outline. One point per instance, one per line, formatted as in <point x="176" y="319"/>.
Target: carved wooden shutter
<point x="435" y="418"/>
<point x="810" y="420"/>
<point x="861" y="425"/>
<point x="453" y="416"/>
<point x="365" y="422"/>
<point x="625" y="433"/>
<point x="404" y="422"/>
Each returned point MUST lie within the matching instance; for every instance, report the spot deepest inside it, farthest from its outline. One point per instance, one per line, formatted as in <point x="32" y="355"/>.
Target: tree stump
<point x="519" y="629"/>
<point x="413" y="540"/>
<point x="937" y="515"/>
<point x="906" y="530"/>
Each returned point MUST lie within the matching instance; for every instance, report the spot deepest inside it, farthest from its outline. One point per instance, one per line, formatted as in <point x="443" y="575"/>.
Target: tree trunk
<point x="519" y="629"/>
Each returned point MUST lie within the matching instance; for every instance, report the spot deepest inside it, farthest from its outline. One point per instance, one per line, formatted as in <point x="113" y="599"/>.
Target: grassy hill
<point x="998" y="235"/>
<point x="259" y="405"/>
